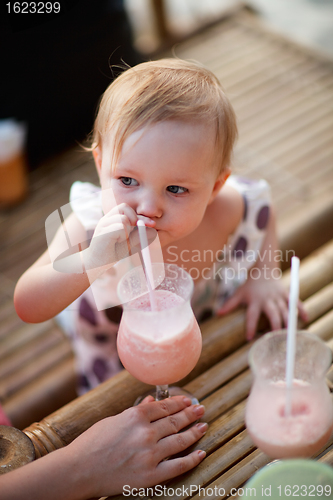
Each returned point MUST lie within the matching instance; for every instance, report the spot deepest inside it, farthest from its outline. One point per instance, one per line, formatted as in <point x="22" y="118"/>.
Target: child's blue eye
<point x="128" y="181"/>
<point x="176" y="189"/>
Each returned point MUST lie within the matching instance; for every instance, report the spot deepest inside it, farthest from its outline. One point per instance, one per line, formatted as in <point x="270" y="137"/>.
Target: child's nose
<point x="150" y="206"/>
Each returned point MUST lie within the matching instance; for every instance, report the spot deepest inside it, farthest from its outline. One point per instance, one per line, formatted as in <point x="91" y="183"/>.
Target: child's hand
<point x="131" y="448"/>
<point x="262" y="295"/>
<point x="113" y="237"/>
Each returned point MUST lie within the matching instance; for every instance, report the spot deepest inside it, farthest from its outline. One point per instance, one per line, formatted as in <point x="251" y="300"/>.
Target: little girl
<point x="162" y="144"/>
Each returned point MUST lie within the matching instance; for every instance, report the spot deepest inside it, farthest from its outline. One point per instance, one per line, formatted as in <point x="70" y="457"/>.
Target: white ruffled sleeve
<point x="86" y="202"/>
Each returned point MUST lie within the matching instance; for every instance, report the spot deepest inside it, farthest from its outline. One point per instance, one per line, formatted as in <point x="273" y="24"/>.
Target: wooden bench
<point x="282" y="94"/>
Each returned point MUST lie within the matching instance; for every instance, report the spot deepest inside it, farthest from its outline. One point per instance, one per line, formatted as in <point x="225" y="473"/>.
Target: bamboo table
<point x="282" y="94"/>
<point x="221" y="381"/>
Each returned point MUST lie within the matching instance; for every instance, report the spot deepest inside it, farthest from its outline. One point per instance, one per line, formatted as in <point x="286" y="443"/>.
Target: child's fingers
<point x="252" y="319"/>
<point x="125" y="209"/>
<point x="302" y="312"/>
<point x="273" y="314"/>
<point x="283" y="308"/>
<point x="231" y="303"/>
<point x="131" y="245"/>
<point x="117" y="226"/>
<point x="134" y="239"/>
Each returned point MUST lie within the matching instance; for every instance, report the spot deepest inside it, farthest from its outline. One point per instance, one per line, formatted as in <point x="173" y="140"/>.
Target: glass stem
<point x="162" y="392"/>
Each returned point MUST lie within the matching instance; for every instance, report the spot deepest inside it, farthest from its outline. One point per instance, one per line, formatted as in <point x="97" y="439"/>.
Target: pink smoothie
<point x="302" y="433"/>
<point x="164" y="351"/>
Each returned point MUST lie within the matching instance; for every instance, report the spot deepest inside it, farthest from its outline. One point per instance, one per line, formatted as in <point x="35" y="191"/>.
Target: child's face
<point x="168" y="173"/>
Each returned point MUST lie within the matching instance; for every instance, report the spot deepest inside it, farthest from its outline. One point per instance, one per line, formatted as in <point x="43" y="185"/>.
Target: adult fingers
<point x="176" y="443"/>
<point x="147" y="399"/>
<point x="174" y="423"/>
<point x="161" y="409"/>
<point x="169" y="469"/>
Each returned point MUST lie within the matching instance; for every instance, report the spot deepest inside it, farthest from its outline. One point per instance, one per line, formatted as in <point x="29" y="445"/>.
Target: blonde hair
<point x="167" y="89"/>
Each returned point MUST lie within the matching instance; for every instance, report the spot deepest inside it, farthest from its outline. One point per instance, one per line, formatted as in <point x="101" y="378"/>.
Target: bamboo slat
<point x="223" y="428"/>
<point x="319" y="304"/>
<point x="327" y="458"/>
<point x="220" y="373"/>
<point x="43" y="395"/>
<point x="305" y="231"/>
<point x="316" y="271"/>
<point x="34" y="369"/>
<point x="21" y="356"/>
<point x="323" y="327"/>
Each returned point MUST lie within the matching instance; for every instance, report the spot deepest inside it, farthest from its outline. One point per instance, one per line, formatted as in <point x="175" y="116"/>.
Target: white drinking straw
<point x="147" y="262"/>
<point x="292" y="327"/>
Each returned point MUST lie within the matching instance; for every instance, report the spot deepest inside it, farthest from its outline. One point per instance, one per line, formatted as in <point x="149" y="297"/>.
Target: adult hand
<point x="131" y="448"/>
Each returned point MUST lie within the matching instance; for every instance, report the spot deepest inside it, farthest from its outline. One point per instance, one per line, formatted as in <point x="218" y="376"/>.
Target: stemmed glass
<point x="161" y="346"/>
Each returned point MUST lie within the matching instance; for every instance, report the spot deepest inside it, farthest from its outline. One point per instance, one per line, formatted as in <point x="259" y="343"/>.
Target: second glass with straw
<point x="159" y="340"/>
<point x="289" y="413"/>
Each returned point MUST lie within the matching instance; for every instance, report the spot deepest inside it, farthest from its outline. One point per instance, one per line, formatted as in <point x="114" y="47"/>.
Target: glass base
<point x="173" y="391"/>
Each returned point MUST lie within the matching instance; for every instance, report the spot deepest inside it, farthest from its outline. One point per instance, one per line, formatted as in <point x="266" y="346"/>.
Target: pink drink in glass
<point x="163" y="353"/>
<point x="308" y="427"/>
<point x="300" y="434"/>
<point x="159" y="345"/>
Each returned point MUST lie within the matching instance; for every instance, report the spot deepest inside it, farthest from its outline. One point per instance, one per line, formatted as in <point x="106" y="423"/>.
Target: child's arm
<point x="263" y="290"/>
<point x="42" y="291"/>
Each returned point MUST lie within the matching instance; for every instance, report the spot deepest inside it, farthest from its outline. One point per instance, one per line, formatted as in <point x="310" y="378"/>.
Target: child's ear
<point x="97" y="154"/>
<point x="219" y="183"/>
